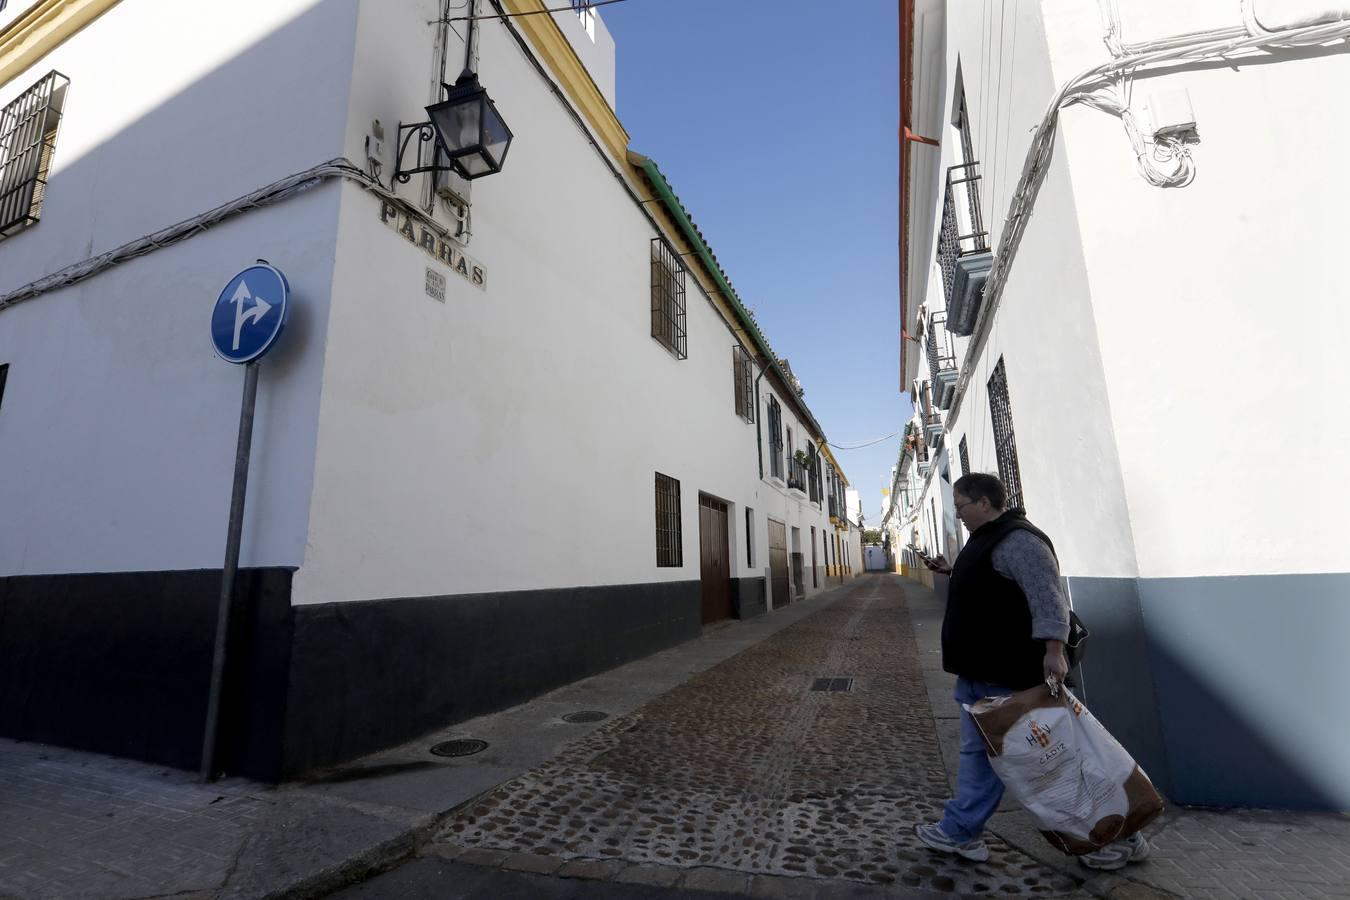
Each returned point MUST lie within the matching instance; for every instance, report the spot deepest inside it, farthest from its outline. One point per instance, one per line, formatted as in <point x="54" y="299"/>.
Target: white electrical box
<point x="1170" y="113"/>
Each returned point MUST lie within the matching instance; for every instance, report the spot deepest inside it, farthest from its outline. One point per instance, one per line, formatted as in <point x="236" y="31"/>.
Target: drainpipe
<point x="759" y="435"/>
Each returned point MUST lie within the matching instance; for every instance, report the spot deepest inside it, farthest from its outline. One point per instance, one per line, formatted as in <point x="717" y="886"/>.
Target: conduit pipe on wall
<point x="1081" y="90"/>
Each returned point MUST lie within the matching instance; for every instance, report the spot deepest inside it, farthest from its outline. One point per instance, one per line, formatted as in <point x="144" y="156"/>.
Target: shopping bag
<point x="1082" y="788"/>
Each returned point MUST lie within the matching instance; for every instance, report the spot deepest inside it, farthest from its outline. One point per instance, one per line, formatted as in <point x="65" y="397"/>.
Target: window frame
<point x="1005" y="438"/>
<point x="670" y="326"/>
<point x="29" y="129"/>
<point x="743" y="383"/>
<point x="669" y="523"/>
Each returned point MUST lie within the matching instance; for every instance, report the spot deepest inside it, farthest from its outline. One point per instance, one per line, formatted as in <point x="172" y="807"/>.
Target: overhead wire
<point x="859" y="446"/>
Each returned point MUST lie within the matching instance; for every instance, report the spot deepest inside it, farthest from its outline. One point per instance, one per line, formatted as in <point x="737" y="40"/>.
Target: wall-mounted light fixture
<point x="465" y="125"/>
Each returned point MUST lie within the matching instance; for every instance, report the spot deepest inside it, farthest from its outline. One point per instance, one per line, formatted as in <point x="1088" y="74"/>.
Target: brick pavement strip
<point x="744" y="768"/>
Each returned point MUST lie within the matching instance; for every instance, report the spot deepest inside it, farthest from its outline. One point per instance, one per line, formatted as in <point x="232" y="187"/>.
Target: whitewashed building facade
<point x="1117" y="320"/>
<point x="556" y="338"/>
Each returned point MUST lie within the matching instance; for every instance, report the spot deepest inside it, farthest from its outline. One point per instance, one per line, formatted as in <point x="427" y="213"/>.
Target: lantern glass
<point x="472" y="131"/>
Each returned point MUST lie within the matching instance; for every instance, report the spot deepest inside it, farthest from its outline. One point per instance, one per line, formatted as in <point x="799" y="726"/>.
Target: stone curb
<point x="702" y="878"/>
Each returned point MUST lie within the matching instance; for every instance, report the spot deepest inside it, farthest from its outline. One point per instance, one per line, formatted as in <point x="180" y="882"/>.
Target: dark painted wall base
<point x="1229" y="690"/>
<point x="749" y="597"/>
<point x="120" y="663"/>
<point x="391" y="670"/>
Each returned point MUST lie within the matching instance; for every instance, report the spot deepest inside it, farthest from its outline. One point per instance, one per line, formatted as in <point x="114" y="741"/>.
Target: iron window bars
<point x="669" y="539"/>
<point x="965" y="457"/>
<point x="743" y="383"/>
<point x="1005" y="443"/>
<point x="28" y="127"/>
<point x="775" y="438"/>
<point x="668" y="320"/>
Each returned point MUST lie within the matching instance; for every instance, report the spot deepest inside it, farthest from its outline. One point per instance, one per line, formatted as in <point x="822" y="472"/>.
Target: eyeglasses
<point x="961" y="506"/>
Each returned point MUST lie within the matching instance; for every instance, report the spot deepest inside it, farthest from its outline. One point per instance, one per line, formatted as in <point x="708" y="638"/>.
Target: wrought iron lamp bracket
<point x="425" y="134"/>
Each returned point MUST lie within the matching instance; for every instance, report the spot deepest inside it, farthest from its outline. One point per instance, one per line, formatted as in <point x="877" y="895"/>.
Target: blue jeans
<point x="978" y="789"/>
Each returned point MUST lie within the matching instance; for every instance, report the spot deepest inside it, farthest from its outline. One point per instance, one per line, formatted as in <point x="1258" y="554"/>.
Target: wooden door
<point x="714" y="559"/>
<point x="778" y="563"/>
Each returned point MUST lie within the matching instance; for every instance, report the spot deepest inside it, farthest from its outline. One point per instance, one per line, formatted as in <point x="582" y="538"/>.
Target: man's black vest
<point x="986" y="634"/>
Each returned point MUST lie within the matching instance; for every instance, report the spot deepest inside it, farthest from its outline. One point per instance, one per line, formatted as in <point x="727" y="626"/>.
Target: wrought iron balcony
<point x="796" y="479"/>
<point x="932" y="426"/>
<point x="963" y="248"/>
<point x="941" y="361"/>
<point x="833" y="504"/>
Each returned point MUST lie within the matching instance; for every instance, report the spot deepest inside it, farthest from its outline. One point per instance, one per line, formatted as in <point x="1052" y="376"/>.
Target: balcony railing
<point x="941" y="361"/>
<point x="796" y="479"/>
<point x="963" y="248"/>
<point x="833" y="504"/>
<point x="932" y="425"/>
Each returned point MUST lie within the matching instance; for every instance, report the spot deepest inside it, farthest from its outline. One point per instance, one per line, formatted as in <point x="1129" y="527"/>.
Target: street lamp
<point x="464" y="126"/>
<point x="471" y="130"/>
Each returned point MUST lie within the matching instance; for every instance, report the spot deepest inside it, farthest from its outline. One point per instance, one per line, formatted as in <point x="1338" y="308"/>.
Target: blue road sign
<point x="250" y="313"/>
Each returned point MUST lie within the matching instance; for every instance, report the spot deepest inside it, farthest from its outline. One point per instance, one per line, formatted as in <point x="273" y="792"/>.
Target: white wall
<point x="544" y="392"/>
<point x="118" y="430"/>
<point x="1044" y="327"/>
<point x="1228" y="322"/>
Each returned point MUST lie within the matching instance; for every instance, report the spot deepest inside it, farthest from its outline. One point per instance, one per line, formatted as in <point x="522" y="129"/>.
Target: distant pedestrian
<point x="1004" y="631"/>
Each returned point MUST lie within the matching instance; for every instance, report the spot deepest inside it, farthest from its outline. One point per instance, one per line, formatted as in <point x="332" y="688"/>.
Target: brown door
<point x="815" y="566"/>
<point x="778" y="563"/>
<point x="715" y="559"/>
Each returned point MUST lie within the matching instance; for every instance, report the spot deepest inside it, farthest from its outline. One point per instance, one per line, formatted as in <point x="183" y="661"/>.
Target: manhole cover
<point x="459" y="748"/>
<point x="589" y="715"/>
<point x="833" y="685"/>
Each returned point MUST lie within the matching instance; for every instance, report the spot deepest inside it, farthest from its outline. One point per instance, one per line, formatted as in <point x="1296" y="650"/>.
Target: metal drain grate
<point x="588" y="715"/>
<point x="466" y="747"/>
<point x="833" y="685"/>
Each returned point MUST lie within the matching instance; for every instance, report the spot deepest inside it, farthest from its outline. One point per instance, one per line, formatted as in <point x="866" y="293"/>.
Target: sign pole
<point x="231" y="569"/>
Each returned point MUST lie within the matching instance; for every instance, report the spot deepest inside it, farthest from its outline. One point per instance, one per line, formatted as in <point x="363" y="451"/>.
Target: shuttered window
<point x="965" y="457"/>
<point x="775" y="438"/>
<point x="743" y="383"/>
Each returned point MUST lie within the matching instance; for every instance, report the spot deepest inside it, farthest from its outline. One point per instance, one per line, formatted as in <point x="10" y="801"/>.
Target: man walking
<point x="1004" y="631"/>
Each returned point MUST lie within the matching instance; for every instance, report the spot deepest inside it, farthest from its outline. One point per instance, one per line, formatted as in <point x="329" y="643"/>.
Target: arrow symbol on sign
<point x="253" y="313"/>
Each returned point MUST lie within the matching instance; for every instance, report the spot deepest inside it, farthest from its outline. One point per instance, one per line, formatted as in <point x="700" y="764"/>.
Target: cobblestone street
<point x="746" y="768"/>
<point x="720" y="773"/>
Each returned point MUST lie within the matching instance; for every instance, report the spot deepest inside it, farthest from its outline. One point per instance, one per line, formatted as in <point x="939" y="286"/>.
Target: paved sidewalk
<point x="718" y="769"/>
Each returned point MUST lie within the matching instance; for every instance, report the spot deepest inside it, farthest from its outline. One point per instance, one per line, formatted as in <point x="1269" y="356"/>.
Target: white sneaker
<point x="934" y="837"/>
<point x="1119" y="854"/>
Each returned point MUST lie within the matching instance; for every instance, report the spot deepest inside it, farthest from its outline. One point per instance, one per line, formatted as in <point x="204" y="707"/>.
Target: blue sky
<point x="775" y="121"/>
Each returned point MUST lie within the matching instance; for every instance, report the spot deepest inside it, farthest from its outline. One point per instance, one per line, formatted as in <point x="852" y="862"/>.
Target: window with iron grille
<point x="743" y="383"/>
<point x="775" y="438"/>
<point x="28" y="127"/>
<point x="1005" y="443"/>
<point x="668" y="325"/>
<point x="965" y="457"/>
<point x="669" y="539"/>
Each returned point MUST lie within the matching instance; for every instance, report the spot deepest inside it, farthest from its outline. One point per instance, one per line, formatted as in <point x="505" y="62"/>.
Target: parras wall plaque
<point x="422" y="232"/>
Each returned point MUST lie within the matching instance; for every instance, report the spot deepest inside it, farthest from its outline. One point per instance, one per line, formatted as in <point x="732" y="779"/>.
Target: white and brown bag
<point x="1082" y="788"/>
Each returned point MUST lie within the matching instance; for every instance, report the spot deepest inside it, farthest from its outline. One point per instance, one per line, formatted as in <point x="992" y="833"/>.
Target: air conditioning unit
<point x="944" y="388"/>
<point x="972" y="270"/>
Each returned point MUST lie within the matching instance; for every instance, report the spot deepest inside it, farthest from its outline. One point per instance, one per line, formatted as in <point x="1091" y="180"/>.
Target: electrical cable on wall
<point x="1086" y="88"/>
